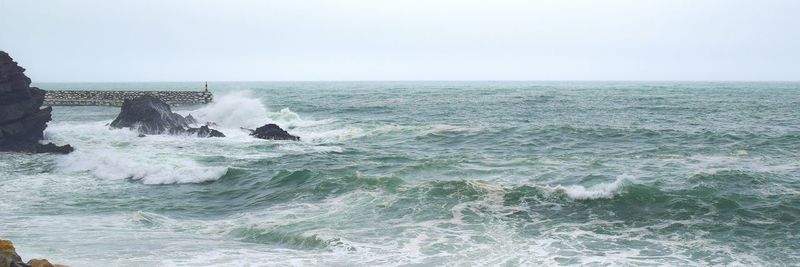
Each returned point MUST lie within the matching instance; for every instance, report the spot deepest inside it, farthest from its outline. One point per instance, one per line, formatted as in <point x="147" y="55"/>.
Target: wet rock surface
<point x="22" y="120"/>
<point x="204" y="131"/>
<point x="273" y="132"/>
<point x="9" y="258"/>
<point x="149" y="115"/>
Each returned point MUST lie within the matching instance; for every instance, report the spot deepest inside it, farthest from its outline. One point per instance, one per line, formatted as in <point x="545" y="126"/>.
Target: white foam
<point x="117" y="165"/>
<point x="447" y="129"/>
<point x="330" y="136"/>
<point x="233" y="110"/>
<point x="240" y="109"/>
<point x="603" y="190"/>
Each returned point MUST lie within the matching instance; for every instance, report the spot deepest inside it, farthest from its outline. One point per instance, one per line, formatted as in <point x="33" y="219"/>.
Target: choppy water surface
<point x="424" y="173"/>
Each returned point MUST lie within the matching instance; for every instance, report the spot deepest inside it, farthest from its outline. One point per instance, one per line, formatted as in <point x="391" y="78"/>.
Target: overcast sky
<point x="243" y="40"/>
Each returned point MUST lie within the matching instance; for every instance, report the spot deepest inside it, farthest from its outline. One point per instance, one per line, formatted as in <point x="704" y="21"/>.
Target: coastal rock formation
<point x="149" y="115"/>
<point x="9" y="257"/>
<point x="190" y="119"/>
<point x="273" y="132"/>
<point x="40" y="263"/>
<point x="204" y="131"/>
<point x="22" y="120"/>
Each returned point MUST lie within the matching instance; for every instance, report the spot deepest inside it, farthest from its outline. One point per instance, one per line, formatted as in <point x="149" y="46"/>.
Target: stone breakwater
<point x="116" y="98"/>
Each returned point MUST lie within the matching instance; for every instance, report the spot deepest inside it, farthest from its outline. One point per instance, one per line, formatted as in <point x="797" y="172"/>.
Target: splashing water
<point x="423" y="174"/>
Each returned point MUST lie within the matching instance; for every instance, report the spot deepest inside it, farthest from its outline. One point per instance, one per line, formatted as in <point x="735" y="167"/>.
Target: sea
<point x="429" y="173"/>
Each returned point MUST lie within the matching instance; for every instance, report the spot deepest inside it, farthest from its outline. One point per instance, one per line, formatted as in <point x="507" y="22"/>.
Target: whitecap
<point x="599" y="191"/>
<point x="116" y="165"/>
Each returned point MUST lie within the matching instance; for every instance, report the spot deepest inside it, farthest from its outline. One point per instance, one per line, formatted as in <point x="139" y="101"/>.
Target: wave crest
<point x="599" y="191"/>
<point x="113" y="165"/>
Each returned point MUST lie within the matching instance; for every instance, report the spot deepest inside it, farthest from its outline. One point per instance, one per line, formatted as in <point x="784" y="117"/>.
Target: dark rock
<point x="149" y="115"/>
<point x="204" y="131"/>
<point x="51" y="148"/>
<point x="22" y="120"/>
<point x="190" y="119"/>
<point x="273" y="132"/>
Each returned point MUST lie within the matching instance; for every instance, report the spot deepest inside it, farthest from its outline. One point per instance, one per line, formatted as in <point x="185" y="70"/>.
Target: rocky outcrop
<point x="204" y="131"/>
<point x="190" y="119"/>
<point x="273" y="132"/>
<point x="22" y="120"/>
<point x="40" y="263"/>
<point x="149" y="115"/>
<point x="9" y="257"/>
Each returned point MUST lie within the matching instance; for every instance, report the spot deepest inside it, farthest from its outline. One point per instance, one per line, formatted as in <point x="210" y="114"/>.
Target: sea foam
<point x="599" y="191"/>
<point x="111" y="164"/>
<point x="233" y="110"/>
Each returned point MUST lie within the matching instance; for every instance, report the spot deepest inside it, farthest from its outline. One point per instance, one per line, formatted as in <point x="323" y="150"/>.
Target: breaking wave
<point x="110" y="164"/>
<point x="603" y="190"/>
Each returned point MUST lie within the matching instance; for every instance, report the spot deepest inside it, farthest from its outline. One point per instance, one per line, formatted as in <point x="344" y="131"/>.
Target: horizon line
<point x="487" y="80"/>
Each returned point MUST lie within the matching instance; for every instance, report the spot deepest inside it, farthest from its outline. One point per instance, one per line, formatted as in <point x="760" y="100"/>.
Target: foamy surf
<point x="386" y="177"/>
<point x="599" y="191"/>
<point x="149" y="169"/>
<point x="173" y="159"/>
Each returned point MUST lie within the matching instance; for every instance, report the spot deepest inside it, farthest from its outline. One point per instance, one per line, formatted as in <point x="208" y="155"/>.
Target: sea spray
<point x="482" y="174"/>
<point x="233" y="110"/>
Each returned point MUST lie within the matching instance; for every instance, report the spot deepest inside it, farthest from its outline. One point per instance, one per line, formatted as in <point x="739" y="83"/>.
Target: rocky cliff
<point x="22" y="120"/>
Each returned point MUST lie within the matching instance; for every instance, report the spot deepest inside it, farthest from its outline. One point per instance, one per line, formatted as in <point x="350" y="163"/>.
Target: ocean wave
<point x="233" y="110"/>
<point x="603" y="190"/>
<point x="238" y="109"/>
<point x="117" y="165"/>
<point x="324" y="136"/>
<point x="319" y="239"/>
<point x="445" y="129"/>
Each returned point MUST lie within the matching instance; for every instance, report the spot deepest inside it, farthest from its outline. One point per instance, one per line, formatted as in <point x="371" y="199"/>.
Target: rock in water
<point x="190" y="119"/>
<point x="204" y="131"/>
<point x="8" y="254"/>
<point x="273" y="132"/>
<point x="22" y="120"/>
<point x="149" y="115"/>
<point x="40" y="263"/>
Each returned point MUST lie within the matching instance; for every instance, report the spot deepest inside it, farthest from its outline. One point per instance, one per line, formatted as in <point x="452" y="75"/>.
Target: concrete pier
<point x="115" y="98"/>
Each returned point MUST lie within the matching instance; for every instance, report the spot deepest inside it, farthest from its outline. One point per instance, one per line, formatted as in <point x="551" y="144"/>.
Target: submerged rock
<point x="273" y="132"/>
<point x="22" y="120"/>
<point x="204" y="131"/>
<point x="149" y="115"/>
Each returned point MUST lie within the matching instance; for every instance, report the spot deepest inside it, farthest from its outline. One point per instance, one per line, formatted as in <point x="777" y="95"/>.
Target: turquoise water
<point x="424" y="173"/>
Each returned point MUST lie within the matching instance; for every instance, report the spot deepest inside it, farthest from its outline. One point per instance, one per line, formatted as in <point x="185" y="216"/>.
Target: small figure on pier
<point x="206" y="87"/>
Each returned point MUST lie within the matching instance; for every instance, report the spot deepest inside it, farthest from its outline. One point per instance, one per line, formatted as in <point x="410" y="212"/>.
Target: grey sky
<point x="196" y="40"/>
